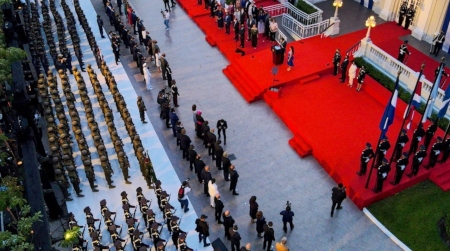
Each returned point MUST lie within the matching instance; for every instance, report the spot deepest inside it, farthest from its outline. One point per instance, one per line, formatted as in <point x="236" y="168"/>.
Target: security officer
<point x="435" y="152"/>
<point x="403" y="50"/>
<point x="366" y="155"/>
<point x="409" y="16"/>
<point x="336" y="61"/>
<point x="400" y="168"/>
<point x="383" y="147"/>
<point x="417" y="137"/>
<point x="431" y="130"/>
<point x="402" y="13"/>
<point x="401" y="142"/>
<point x="382" y="173"/>
<point x="75" y="180"/>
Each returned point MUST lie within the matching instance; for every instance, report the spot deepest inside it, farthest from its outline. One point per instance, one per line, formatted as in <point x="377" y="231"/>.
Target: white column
<point x="388" y="11"/>
<point x="421" y="20"/>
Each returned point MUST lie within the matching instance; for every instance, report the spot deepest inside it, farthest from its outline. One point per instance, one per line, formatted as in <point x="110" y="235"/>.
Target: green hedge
<point x="305" y="7"/>
<point x="403" y="94"/>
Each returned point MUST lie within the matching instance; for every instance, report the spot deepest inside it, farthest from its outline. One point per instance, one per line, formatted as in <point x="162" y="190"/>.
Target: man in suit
<point x="228" y="223"/>
<point x="446" y="150"/>
<point x="337" y="197"/>
<point x="234" y="176"/>
<point x="366" y="155"/>
<point x="336" y="61"/>
<point x="382" y="173"/>
<point x="185" y="141"/>
<point x="218" y="208"/>
<point x="100" y="25"/>
<point x="269" y="236"/>
<point x="402" y="12"/>
<point x="164" y="65"/>
<point x="344" y="66"/>
<point x="283" y="45"/>
<point x="250" y="22"/>
<point x="116" y="51"/>
<point x="202" y="229"/>
<point x="236" y="29"/>
<point x="438" y="41"/>
<point x="402" y="51"/>
<point x="242" y="35"/>
<point x="192" y="155"/>
<point x="226" y="166"/>
<point x="206" y="177"/>
<point x="235" y="238"/>
<point x="218" y="152"/>
<point x="211" y="140"/>
<point x="199" y="166"/>
<point x="400" y="168"/>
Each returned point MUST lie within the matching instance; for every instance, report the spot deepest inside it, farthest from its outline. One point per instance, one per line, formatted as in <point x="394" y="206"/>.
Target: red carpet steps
<point x="441" y="176"/>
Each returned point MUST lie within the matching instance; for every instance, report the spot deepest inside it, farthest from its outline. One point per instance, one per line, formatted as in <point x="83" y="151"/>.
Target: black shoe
<point x="145" y="122"/>
<point x="207" y="244"/>
<point x="94" y="190"/>
<point x="359" y="173"/>
<point x="375" y="191"/>
<point x="339" y="208"/>
<point x="409" y="175"/>
<point x="392" y="183"/>
<point x="235" y="194"/>
<point x="95" y="186"/>
<point x="331" y="215"/>
<point x="103" y="36"/>
<point x="80" y="195"/>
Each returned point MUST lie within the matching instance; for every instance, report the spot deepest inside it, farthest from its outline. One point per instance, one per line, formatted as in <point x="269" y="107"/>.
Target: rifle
<point x="82" y="234"/>
<point x="99" y="226"/>
<point x="162" y="226"/>
<point x="138" y="225"/>
<point x="121" y="228"/>
<point x="134" y="212"/>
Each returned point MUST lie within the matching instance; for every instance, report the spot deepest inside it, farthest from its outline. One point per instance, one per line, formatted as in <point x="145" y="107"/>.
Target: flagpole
<point x="446" y="132"/>
<point x="382" y="132"/>
<point x="441" y="66"/>
<point x="406" y="116"/>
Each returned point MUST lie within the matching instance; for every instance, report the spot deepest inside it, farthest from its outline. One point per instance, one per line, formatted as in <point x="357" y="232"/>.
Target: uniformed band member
<point x="438" y="41"/>
<point x="366" y="155"/>
<point x="402" y="51"/>
<point x="158" y="191"/>
<point x="175" y="227"/>
<point x="168" y="214"/>
<point x="154" y="233"/>
<point x="434" y="153"/>
<point x="137" y="241"/>
<point x="402" y="13"/>
<point x="336" y="62"/>
<point x="114" y="234"/>
<point x="401" y="142"/>
<point x="104" y="208"/>
<point x="382" y="173"/>
<point x="446" y="150"/>
<point x="144" y="208"/>
<point x="131" y="228"/>
<point x="409" y="16"/>
<point x="125" y="200"/>
<point x="182" y="244"/>
<point x="383" y="147"/>
<point x="417" y="137"/>
<point x="417" y="161"/>
<point x="72" y="221"/>
<point x="400" y="168"/>
<point x="360" y="78"/>
<point x="164" y="200"/>
<point x="431" y="130"/>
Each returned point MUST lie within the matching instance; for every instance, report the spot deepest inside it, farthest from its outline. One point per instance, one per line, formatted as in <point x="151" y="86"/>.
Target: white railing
<point x="280" y="35"/>
<point x="390" y="65"/>
<point x="301" y="30"/>
<point x="282" y="8"/>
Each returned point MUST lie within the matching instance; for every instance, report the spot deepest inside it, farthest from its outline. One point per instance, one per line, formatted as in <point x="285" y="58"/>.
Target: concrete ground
<point x="268" y="167"/>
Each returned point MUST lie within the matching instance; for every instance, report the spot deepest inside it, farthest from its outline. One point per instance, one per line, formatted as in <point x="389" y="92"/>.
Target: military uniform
<point x="382" y="173"/>
<point x="435" y="152"/>
<point x="401" y="165"/>
<point x="366" y="155"/>
<point x="401" y="142"/>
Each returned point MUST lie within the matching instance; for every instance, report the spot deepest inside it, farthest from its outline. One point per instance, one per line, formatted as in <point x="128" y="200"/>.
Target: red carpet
<point x="328" y="119"/>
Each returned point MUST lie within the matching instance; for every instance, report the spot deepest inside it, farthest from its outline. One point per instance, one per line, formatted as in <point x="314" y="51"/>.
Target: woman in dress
<point x="254" y="36"/>
<point x="253" y="208"/>
<point x="147" y="76"/>
<point x="260" y="222"/>
<point x="212" y="190"/>
<point x="219" y="17"/>
<point x="157" y="61"/>
<point x="290" y="61"/>
<point x="261" y="20"/>
<point x="237" y="13"/>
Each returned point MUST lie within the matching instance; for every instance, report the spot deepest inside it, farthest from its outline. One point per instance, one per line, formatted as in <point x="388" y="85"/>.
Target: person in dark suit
<point x="402" y="13"/>
<point x="116" y="51"/>
<point x="185" y="141"/>
<point x="100" y="25"/>
<point x="227" y="22"/>
<point x="234" y="176"/>
<point x="164" y="65"/>
<point x="173" y="121"/>
<point x="337" y="197"/>
<point x="438" y="42"/>
<point x="269" y="236"/>
<point x="434" y="153"/>
<point x="382" y="173"/>
<point x="288" y="217"/>
<point x="199" y="166"/>
<point x="206" y="177"/>
<point x="218" y="152"/>
<point x="431" y="130"/>
<point x="242" y="35"/>
<point x="192" y="155"/>
<point x="211" y="140"/>
<point x="417" y="161"/>
<point x="222" y="127"/>
<point x="401" y="142"/>
<point x="235" y="238"/>
<point x="250" y="22"/>
<point x="383" y="147"/>
<point x="228" y="223"/>
<point x="417" y="137"/>
<point x="119" y="5"/>
<point x="226" y="165"/>
<point x="400" y="168"/>
<point x="366" y="155"/>
<point x="283" y="45"/>
<point x="446" y="150"/>
<point x="218" y="208"/>
<point x="409" y="16"/>
<point x="336" y="61"/>
<point x="344" y="66"/>
<point x="202" y="229"/>
<point x="360" y="78"/>
<point x="236" y="29"/>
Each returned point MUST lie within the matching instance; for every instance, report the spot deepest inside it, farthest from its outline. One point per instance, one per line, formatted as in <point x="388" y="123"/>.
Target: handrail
<point x="323" y="32"/>
<point x="280" y="35"/>
<point x="354" y="48"/>
<point x="307" y="19"/>
<point x="301" y="30"/>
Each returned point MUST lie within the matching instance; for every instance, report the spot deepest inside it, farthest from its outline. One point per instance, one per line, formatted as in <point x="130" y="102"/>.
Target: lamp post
<point x="370" y="23"/>
<point x="337" y="4"/>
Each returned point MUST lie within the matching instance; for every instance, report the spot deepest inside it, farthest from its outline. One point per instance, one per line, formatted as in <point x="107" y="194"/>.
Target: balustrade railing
<point x="306" y="19"/>
<point x="301" y="30"/>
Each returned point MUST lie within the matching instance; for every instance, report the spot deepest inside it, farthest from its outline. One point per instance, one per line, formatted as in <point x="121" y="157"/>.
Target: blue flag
<point x="444" y="107"/>
<point x="433" y="95"/>
<point x="389" y="112"/>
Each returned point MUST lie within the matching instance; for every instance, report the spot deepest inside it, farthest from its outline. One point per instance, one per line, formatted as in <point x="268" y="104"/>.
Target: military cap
<point x="65" y="157"/>
<point x="50" y="120"/>
<point x="70" y="168"/>
<point x="58" y="109"/>
<point x="90" y="120"/>
<point x="123" y="194"/>
<point x="129" y="119"/>
<point x="87" y="163"/>
<point x="55" y="159"/>
<point x="139" y="189"/>
<point x="121" y="154"/>
<point x="87" y="209"/>
<point x="58" y="171"/>
<point x="87" y="102"/>
<point x="61" y="116"/>
<point x="182" y="236"/>
<point x="88" y="110"/>
<point x="54" y="92"/>
<point x="140" y="149"/>
<point x="155" y="225"/>
<point x="103" y="158"/>
<point x="50" y="129"/>
<point x="130" y="221"/>
<point x="174" y="218"/>
<point x="112" y="227"/>
<point x="52" y="139"/>
<point x="65" y="146"/>
<point x="158" y="183"/>
<point x="118" y="244"/>
<point x="54" y="148"/>
<point x="97" y="137"/>
<point x="136" y="233"/>
<point x="137" y="137"/>
<point x="84" y="152"/>
<point x="101" y="147"/>
<point x="94" y="128"/>
<point x="48" y="111"/>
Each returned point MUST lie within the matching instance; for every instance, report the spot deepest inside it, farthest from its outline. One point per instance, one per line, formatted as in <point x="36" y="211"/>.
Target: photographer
<point x="337" y="197"/>
<point x="287" y="217"/>
<point x="182" y="198"/>
<point x="166" y="16"/>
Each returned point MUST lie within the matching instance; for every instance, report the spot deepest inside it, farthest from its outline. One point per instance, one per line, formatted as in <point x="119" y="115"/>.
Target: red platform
<point x="328" y="120"/>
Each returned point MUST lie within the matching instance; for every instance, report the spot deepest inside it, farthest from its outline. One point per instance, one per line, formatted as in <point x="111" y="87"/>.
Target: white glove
<point x="402" y="167"/>
<point x="384" y="175"/>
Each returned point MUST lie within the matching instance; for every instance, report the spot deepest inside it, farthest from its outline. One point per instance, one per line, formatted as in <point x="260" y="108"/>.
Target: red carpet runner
<point x="328" y="119"/>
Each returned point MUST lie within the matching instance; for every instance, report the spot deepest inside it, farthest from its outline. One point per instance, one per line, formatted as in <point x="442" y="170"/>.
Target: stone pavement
<point x="268" y="167"/>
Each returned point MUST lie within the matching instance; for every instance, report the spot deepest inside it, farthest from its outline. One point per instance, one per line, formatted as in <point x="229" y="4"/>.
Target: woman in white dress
<point x="158" y="63"/>
<point x="147" y="76"/>
<point x="352" y="74"/>
<point x="261" y="19"/>
<point x="212" y="190"/>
